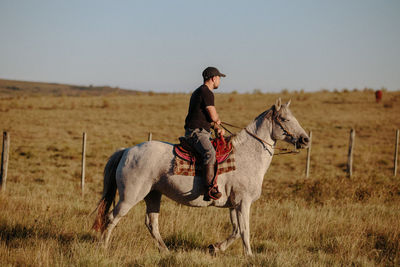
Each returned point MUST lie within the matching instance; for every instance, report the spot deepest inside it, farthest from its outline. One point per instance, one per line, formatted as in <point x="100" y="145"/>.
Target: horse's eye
<point x="284" y="119"/>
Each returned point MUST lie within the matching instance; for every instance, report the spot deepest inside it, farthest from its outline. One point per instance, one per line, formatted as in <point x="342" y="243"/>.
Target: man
<point x="202" y="115"/>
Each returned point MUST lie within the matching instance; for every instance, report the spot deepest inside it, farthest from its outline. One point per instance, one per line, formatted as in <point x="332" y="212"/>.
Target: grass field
<point x="325" y="220"/>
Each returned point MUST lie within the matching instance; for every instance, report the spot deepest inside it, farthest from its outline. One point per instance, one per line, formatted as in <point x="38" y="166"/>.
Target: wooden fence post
<point x="150" y="136"/>
<point x="83" y="163"/>
<point x="308" y="155"/>
<point x="350" y="155"/>
<point x="4" y="161"/>
<point x="396" y="153"/>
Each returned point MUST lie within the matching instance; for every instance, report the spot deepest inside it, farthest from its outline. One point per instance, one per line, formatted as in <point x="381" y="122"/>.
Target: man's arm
<point x="212" y="111"/>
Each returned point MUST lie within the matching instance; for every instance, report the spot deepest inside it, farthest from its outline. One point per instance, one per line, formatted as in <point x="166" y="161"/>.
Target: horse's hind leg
<point x="153" y="201"/>
<point x="122" y="208"/>
<point x="119" y="211"/>
<point x="222" y="246"/>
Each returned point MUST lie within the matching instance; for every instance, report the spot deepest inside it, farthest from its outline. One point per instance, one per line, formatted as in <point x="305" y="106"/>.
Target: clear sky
<point x="163" y="46"/>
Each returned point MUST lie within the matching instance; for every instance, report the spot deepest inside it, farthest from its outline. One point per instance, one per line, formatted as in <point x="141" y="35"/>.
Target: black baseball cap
<point x="210" y="72"/>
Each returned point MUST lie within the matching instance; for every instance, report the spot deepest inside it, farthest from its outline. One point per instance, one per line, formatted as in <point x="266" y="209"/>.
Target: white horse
<point x="145" y="171"/>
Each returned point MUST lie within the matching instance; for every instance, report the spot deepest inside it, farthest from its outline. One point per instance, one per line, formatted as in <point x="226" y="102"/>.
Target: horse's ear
<point x="288" y="103"/>
<point x="278" y="104"/>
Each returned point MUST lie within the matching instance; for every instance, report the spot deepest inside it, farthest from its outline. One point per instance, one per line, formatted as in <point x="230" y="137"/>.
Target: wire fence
<point x="349" y="166"/>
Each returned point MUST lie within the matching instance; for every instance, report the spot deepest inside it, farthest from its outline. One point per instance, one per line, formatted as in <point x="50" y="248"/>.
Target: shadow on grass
<point x="384" y="247"/>
<point x="17" y="232"/>
<point x="186" y="242"/>
<point x="19" y="235"/>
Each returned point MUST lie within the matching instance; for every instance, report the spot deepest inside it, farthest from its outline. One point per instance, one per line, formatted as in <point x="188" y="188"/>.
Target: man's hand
<point x="216" y="121"/>
<point x="221" y="131"/>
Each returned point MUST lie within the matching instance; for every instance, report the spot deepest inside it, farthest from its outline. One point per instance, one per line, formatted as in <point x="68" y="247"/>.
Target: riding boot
<point x="211" y="189"/>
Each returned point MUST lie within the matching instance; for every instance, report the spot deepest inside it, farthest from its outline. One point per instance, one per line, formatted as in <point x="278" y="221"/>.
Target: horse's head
<point x="286" y="127"/>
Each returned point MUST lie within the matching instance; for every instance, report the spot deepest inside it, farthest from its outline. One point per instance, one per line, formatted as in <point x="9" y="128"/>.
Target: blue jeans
<point x="200" y="140"/>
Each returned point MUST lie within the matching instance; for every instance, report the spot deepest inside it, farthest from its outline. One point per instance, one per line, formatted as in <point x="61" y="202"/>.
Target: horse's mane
<point x="265" y="115"/>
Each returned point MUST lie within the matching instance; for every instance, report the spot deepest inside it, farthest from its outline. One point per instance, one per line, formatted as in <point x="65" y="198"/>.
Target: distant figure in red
<point x="378" y="96"/>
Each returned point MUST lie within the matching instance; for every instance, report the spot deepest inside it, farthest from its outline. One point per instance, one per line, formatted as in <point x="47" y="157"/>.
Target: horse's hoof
<point x="212" y="250"/>
<point x="163" y="250"/>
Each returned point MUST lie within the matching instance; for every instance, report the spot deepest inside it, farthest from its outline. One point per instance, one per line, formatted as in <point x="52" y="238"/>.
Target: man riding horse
<point x="201" y="117"/>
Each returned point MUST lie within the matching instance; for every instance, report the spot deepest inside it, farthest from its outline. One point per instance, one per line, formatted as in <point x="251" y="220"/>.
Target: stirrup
<point x="214" y="193"/>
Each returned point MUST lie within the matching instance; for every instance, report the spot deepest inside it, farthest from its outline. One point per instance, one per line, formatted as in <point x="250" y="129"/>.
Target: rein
<point x="287" y="132"/>
<point x="247" y="131"/>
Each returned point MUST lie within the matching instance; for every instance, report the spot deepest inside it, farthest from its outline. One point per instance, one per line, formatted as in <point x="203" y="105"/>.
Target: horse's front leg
<point x="243" y="215"/>
<point x="222" y="246"/>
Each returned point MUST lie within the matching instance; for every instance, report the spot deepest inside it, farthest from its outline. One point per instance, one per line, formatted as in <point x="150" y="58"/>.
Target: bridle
<point x="285" y="130"/>
<point x="275" y="118"/>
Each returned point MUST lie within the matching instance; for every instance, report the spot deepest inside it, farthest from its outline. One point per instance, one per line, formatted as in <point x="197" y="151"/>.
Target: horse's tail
<point x="109" y="191"/>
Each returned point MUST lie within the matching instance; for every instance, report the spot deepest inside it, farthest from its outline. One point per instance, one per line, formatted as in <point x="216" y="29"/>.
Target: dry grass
<point x="325" y="220"/>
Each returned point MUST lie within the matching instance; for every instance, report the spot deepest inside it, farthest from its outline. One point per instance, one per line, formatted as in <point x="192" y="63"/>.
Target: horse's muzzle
<point x="302" y="142"/>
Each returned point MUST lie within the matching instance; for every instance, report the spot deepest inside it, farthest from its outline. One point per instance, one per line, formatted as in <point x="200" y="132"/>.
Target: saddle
<point x="223" y="149"/>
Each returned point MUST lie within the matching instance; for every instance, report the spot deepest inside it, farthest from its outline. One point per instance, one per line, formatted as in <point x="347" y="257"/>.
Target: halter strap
<point x="287" y="132"/>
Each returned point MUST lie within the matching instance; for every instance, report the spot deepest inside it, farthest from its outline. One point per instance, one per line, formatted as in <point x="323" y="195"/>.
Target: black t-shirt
<point x="198" y="116"/>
